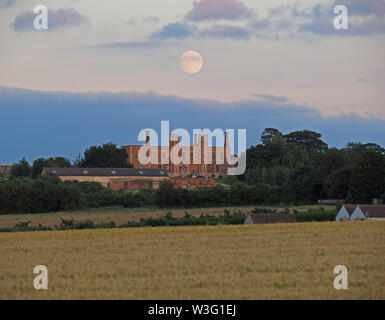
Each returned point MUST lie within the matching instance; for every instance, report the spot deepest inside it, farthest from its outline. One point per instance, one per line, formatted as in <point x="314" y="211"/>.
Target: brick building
<point x="114" y="178"/>
<point x="5" y="168"/>
<point x="197" y="160"/>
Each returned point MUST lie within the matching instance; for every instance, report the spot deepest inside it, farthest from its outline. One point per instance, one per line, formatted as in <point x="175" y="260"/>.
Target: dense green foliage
<point x="49" y="194"/>
<point x="303" y="165"/>
<point x="106" y="156"/>
<point x="167" y="220"/>
<point x="293" y="168"/>
<point x="318" y="215"/>
<point x="41" y="163"/>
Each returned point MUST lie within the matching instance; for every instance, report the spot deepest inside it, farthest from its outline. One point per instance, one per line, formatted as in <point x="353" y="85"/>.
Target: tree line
<point x="282" y="169"/>
<point x="302" y="163"/>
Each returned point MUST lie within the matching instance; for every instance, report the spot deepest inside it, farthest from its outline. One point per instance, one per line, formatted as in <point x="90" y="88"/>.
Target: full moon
<point x="191" y="62"/>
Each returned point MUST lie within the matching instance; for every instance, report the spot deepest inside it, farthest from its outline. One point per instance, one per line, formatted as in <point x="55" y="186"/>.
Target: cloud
<point x="272" y="98"/>
<point x="63" y="123"/>
<point x="180" y="30"/>
<point x="363" y="7"/>
<point x="7" y="3"/>
<point x="371" y="25"/>
<point x="151" y="19"/>
<point x="362" y="80"/>
<point x="132" y="21"/>
<point x="57" y="19"/>
<point x="175" y="30"/>
<point x="218" y="9"/>
<point x="260" y="24"/>
<point x="225" y="31"/>
<point x="137" y="44"/>
<point x="366" y="18"/>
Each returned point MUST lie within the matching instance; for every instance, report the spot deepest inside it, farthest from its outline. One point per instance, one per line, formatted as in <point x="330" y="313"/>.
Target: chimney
<point x="227" y="141"/>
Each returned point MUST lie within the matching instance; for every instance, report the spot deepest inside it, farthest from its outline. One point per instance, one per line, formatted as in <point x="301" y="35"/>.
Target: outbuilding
<point x="368" y="212"/>
<point x="113" y="178"/>
<point x="345" y="212"/>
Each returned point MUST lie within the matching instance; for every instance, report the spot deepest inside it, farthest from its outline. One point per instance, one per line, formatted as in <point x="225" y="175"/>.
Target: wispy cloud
<point x="177" y="30"/>
<point x="225" y="31"/>
<point x="363" y="7"/>
<point x="7" y="3"/>
<point x="149" y="20"/>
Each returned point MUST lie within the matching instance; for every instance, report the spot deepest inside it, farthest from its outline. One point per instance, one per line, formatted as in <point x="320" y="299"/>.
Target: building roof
<point x="107" y="172"/>
<point x="372" y="211"/>
<point x="350" y="208"/>
<point x="272" y="218"/>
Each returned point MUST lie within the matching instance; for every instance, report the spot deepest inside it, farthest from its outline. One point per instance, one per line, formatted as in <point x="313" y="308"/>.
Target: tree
<point x="165" y="195"/>
<point x="41" y="163"/>
<point x="309" y="140"/>
<point x="106" y="156"/>
<point x="337" y="183"/>
<point x="368" y="178"/>
<point x="21" y="169"/>
<point x="269" y="135"/>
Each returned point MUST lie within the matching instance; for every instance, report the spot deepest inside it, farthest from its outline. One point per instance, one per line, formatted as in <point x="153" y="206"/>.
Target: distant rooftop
<point x="107" y="172"/>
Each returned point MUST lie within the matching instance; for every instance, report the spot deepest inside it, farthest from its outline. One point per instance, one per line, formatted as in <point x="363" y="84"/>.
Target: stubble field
<point x="283" y="261"/>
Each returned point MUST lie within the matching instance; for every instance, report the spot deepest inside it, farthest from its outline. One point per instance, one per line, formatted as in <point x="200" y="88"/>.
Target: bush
<point x="315" y="215"/>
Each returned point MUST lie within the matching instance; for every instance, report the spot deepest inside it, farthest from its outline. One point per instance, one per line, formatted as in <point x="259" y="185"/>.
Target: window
<point x="217" y="168"/>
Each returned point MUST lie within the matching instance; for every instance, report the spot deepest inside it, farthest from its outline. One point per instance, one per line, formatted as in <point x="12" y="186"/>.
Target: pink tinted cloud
<point x="218" y="9"/>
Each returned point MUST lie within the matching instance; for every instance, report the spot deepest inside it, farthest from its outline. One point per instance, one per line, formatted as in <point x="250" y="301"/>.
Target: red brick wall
<point x="193" y="182"/>
<point x="200" y="169"/>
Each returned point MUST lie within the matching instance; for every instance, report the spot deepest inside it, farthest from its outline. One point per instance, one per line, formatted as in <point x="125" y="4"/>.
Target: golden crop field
<point x="283" y="261"/>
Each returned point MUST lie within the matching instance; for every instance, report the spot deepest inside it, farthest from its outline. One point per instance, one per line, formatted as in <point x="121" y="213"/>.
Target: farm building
<point x="361" y="212"/>
<point x="368" y="211"/>
<point x="345" y="212"/>
<point x="5" y="168"/>
<point x="269" y="218"/>
<point x="128" y="178"/>
<point x="113" y="178"/>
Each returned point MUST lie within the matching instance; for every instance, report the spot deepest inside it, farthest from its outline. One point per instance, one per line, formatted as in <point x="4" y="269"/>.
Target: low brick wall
<point x="193" y="182"/>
